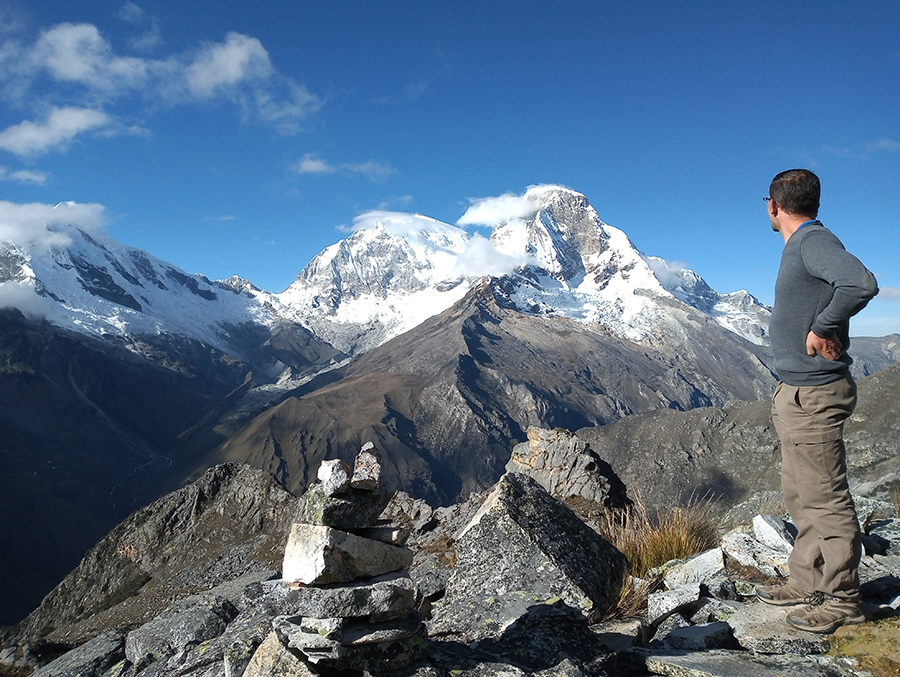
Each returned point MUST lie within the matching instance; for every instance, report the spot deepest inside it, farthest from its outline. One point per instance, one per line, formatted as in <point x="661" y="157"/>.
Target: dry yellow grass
<point x="650" y="539"/>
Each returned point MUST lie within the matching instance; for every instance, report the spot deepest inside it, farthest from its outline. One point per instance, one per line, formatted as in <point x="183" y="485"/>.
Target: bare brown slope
<point x="732" y="452"/>
<point x="448" y="400"/>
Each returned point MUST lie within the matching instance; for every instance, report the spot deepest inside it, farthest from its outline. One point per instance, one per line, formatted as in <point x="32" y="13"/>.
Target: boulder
<point x="567" y="468"/>
<point x="190" y="621"/>
<point x="318" y="554"/>
<point x="524" y="548"/>
<point x="91" y="659"/>
<point x="273" y="659"/>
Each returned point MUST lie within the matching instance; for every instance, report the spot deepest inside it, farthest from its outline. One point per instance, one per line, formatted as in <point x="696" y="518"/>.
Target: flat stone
<point x="702" y="637"/>
<point x="334" y="476"/>
<point x="762" y="628"/>
<point x="713" y="610"/>
<point x="725" y="663"/>
<point x="91" y="658"/>
<point x="749" y="552"/>
<point x="319" y="554"/>
<point x="392" y="535"/>
<point x="354" y="509"/>
<point x="392" y="595"/>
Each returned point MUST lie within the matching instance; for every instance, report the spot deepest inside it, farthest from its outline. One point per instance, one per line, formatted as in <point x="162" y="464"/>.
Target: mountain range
<point x="122" y="377"/>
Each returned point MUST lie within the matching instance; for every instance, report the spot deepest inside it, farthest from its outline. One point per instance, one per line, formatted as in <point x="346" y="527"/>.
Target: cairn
<point x="354" y="603"/>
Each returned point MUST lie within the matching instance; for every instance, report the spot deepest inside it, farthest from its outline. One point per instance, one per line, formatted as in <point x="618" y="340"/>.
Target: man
<point x="820" y="286"/>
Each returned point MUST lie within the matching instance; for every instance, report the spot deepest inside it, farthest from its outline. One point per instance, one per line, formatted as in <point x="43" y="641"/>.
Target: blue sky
<point x="243" y="138"/>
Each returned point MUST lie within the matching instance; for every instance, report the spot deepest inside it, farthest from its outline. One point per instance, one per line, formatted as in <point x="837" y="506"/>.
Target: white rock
<point x="317" y="554"/>
<point x="697" y="569"/>
<point x="334" y="476"/>
<point x="770" y="531"/>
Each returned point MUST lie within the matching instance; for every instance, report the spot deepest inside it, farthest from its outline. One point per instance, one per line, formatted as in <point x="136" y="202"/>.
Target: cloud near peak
<point x="29" y="225"/>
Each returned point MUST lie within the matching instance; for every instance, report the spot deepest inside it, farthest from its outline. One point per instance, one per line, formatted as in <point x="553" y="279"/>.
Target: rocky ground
<point x="349" y="580"/>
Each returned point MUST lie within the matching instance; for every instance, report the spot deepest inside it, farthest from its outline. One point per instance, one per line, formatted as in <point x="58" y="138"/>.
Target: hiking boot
<point x="781" y="595"/>
<point x="825" y="614"/>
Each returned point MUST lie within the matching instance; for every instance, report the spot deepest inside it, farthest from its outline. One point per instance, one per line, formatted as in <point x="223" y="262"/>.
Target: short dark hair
<point x="797" y="191"/>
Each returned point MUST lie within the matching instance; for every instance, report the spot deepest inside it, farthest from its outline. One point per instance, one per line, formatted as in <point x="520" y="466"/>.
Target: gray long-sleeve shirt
<point x="820" y="286"/>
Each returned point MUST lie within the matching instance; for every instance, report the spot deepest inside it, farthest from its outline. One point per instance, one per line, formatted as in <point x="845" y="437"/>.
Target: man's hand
<point x="829" y="348"/>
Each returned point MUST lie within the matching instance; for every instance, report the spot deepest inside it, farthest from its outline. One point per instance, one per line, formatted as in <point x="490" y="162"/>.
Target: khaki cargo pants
<point x="810" y="424"/>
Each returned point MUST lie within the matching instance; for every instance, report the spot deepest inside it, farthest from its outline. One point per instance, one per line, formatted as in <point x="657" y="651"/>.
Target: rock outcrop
<point x="509" y="583"/>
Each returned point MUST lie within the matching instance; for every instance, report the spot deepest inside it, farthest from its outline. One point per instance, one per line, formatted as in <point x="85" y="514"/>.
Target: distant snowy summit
<point x="548" y="254"/>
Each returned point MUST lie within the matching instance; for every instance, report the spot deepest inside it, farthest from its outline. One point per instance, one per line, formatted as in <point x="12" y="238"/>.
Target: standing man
<point x="820" y="286"/>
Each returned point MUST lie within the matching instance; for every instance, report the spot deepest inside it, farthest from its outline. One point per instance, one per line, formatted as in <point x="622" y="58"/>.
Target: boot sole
<point x="780" y="602"/>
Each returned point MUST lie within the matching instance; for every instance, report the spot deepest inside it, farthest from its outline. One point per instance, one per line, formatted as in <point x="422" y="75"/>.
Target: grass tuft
<point x="649" y="539"/>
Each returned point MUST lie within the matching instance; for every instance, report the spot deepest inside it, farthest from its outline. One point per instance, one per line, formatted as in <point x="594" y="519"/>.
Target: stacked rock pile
<point x="354" y="603"/>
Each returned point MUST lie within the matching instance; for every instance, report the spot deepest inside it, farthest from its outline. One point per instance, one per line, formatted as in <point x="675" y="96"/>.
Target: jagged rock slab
<point x="660" y="605"/>
<point x="92" y="658"/>
<point x="353" y="509"/>
<point x="761" y="628"/>
<point x="723" y="663"/>
<point x="384" y="597"/>
<point x="697" y="569"/>
<point x="318" y="554"/>
<point x="567" y="468"/>
<point x="771" y="531"/>
<point x="193" y="620"/>
<point x="522" y="541"/>
<point x="749" y="552"/>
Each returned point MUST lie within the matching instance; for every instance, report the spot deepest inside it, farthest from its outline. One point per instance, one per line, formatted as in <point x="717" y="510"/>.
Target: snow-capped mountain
<point x="554" y="258"/>
<point x="81" y="279"/>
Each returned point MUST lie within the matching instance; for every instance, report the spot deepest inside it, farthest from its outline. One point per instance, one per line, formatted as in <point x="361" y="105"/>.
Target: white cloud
<point x="21" y="295"/>
<point x="889" y="145"/>
<point x="77" y="53"/>
<point x="23" y="176"/>
<point x="94" y="77"/>
<point x="221" y="66"/>
<point x="667" y="272"/>
<point x="492" y="211"/>
<point x="132" y="13"/>
<point x="376" y="171"/>
<point x="399" y="223"/>
<point x="311" y="164"/>
<point x="27" y="224"/>
<point x="481" y="257"/>
<point x="889" y="293"/>
<point x="60" y="127"/>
